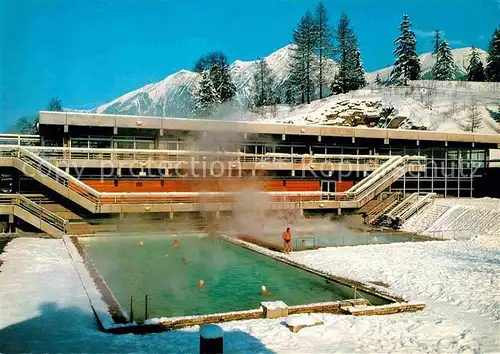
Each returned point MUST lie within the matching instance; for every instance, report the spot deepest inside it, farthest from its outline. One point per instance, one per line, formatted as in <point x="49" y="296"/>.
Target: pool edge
<point x="348" y="282"/>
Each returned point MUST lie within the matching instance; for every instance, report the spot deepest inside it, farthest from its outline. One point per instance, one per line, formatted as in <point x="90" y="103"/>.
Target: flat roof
<point x="191" y="124"/>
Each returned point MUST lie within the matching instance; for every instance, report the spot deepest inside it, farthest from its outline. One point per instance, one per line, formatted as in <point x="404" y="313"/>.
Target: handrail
<point x="65" y="153"/>
<point x="404" y="204"/>
<point x="356" y="193"/>
<point x="35" y="209"/>
<point x="376" y="174"/>
<point x="415" y="207"/>
<point x="18" y="139"/>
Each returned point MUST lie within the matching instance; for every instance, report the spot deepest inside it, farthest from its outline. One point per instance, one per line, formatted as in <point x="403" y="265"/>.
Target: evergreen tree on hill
<point x="436" y="41"/>
<point x="302" y="64"/>
<point x="475" y="70"/>
<point x="217" y="66"/>
<point x="378" y="80"/>
<point x="205" y="96"/>
<point x="264" y="84"/>
<point x="324" y="47"/>
<point x="55" y="105"/>
<point x="444" y="67"/>
<point x="24" y="125"/>
<point x="351" y="75"/>
<point x="407" y="64"/>
<point x="492" y="70"/>
<point x="29" y="124"/>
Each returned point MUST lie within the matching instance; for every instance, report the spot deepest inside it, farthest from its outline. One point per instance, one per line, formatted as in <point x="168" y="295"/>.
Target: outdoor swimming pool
<point x="232" y="275"/>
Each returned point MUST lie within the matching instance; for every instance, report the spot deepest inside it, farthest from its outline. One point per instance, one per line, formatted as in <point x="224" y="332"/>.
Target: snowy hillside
<point x="427" y="60"/>
<point x="411" y="108"/>
<point x="171" y="96"/>
<point x="441" y="109"/>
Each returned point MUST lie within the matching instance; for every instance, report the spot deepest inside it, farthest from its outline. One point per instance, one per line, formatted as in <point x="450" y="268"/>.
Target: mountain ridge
<point x="172" y="95"/>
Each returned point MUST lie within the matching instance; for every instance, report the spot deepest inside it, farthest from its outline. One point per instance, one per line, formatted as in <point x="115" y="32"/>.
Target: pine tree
<point x="324" y="46"/>
<point x="289" y="95"/>
<point x="378" y="80"/>
<point x="55" y="105"/>
<point x="264" y="85"/>
<point x="436" y="41"/>
<point x="205" y="96"/>
<point x="223" y="82"/>
<point x="351" y="75"/>
<point x="302" y="64"/>
<point x="24" y="125"/>
<point x="473" y="122"/>
<point x="493" y="62"/>
<point x="217" y="66"/>
<point x="407" y="64"/>
<point x="444" y="67"/>
<point x="475" y="70"/>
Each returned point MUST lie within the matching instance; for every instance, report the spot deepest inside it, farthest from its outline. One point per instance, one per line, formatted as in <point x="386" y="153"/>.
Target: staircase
<point x="382" y="208"/>
<point x="99" y="202"/>
<point x="33" y="213"/>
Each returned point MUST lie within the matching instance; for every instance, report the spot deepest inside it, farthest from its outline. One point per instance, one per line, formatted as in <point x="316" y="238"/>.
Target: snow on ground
<point x="44" y="307"/>
<point x="438" y="109"/>
<point x="457" y="218"/>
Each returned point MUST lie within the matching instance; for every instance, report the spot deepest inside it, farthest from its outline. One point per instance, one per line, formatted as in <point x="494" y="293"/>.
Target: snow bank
<point x="457" y="218"/>
<point x="302" y="320"/>
<point x="455" y="279"/>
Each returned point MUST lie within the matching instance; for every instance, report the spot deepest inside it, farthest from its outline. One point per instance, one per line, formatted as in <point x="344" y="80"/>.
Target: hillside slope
<point x="172" y="96"/>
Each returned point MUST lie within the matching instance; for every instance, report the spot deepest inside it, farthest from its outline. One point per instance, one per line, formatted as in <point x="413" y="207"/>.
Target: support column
<point x="11" y="227"/>
<point x="339" y="211"/>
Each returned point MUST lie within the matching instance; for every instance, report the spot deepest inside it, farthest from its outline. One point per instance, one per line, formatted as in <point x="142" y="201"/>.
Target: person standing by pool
<point x="287" y="238"/>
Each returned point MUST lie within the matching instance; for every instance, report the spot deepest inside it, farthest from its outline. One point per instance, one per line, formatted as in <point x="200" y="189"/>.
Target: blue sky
<point x="90" y="52"/>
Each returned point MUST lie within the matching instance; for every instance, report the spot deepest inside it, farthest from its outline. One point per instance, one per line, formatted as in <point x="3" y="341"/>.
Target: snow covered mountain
<point x="172" y="96"/>
<point x="427" y="60"/>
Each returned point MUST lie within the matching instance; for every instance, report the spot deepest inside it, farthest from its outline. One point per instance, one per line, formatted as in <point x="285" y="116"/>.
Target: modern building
<point x="98" y="166"/>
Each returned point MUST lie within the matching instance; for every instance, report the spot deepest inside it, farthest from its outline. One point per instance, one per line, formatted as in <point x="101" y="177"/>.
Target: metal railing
<point x="381" y="208"/>
<point x="401" y="207"/>
<point x="19" y="139"/>
<point x="34" y="209"/>
<point x="61" y="153"/>
<point x="416" y="206"/>
<point x="389" y="170"/>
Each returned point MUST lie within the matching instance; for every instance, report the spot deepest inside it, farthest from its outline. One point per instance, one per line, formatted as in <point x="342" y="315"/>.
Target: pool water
<point x="232" y="275"/>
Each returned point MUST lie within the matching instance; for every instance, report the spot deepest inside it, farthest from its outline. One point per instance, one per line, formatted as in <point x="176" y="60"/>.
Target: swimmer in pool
<point x="287" y="238"/>
<point x="265" y="291"/>
<point x="177" y="244"/>
<point x="201" y="284"/>
<point x="184" y="260"/>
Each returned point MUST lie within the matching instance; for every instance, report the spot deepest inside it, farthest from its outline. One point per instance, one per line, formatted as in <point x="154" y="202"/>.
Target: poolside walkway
<point x="44" y="307"/>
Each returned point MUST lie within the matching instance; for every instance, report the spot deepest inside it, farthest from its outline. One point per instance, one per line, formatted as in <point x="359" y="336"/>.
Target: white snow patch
<point x="455" y="279"/>
<point x="274" y="305"/>
<point x="302" y="320"/>
<point x="458" y="218"/>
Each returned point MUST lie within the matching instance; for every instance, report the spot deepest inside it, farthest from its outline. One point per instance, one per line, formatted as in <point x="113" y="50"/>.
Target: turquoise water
<point x="233" y="276"/>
